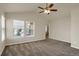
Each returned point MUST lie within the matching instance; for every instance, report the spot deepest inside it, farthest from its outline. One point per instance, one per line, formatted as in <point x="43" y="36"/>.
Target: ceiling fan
<point x="47" y="9"/>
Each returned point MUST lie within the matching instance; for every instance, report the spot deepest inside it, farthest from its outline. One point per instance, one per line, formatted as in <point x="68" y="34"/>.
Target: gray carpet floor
<point x="48" y="47"/>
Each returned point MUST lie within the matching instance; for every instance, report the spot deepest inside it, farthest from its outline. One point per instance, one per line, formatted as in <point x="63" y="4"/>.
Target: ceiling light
<point x="46" y="11"/>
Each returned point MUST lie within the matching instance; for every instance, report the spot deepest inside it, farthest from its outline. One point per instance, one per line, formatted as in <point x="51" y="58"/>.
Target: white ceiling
<point x="27" y="7"/>
<point x="64" y="9"/>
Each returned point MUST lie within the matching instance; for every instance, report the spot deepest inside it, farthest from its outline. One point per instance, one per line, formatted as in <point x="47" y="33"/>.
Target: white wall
<point x="0" y="35"/>
<point x="2" y="40"/>
<point x="75" y="28"/>
<point x="63" y="29"/>
<point x="60" y="28"/>
<point x="39" y="27"/>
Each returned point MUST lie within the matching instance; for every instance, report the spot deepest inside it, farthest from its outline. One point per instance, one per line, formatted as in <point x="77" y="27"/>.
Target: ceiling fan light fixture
<point x="46" y="11"/>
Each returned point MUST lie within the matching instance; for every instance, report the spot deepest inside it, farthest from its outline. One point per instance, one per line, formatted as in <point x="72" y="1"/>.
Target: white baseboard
<point x="19" y="42"/>
<point x="60" y="40"/>
<point x="73" y="46"/>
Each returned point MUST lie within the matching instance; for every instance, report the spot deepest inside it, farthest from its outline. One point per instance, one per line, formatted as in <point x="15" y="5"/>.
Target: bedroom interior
<point x="39" y="29"/>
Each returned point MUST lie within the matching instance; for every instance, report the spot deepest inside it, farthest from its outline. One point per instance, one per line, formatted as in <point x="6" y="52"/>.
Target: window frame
<point x="25" y="30"/>
<point x="32" y="29"/>
<point x="17" y="28"/>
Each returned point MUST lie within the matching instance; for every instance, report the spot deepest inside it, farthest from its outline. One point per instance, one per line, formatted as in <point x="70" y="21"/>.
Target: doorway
<point x="47" y="32"/>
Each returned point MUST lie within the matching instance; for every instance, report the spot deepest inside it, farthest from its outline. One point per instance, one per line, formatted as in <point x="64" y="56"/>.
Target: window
<point x="23" y="28"/>
<point x="18" y="28"/>
<point x="3" y="28"/>
<point x="29" y="30"/>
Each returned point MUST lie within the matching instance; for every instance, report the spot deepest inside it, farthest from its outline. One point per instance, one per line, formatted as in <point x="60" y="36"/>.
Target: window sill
<point x="23" y="37"/>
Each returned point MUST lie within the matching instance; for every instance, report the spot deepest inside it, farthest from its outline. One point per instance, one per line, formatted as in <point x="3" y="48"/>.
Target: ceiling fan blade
<point x="41" y="12"/>
<point x="51" y="5"/>
<point x="40" y="7"/>
<point x="53" y="9"/>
